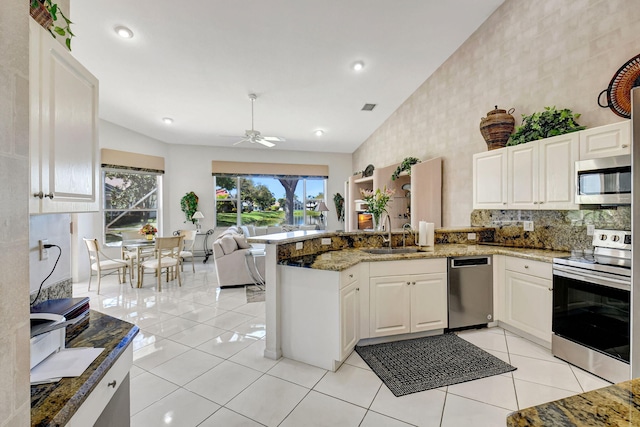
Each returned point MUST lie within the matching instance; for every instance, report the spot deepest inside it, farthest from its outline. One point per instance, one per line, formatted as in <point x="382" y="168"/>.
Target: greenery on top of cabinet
<point x="545" y="124"/>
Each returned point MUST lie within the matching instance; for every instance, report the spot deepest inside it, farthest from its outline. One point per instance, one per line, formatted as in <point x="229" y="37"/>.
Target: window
<point x="268" y="200"/>
<point x="131" y="200"/>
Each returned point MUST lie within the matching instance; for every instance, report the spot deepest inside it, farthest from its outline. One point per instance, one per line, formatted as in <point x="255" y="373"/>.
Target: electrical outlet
<point x="591" y="229"/>
<point x="471" y="236"/>
<point x="528" y="225"/>
<point x="299" y="246"/>
<point x="44" y="252"/>
<point x="326" y="240"/>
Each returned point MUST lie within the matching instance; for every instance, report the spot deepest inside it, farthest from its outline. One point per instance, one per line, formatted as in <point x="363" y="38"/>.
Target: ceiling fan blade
<point x="274" y="138"/>
<point x="241" y="141"/>
<point x="265" y="143"/>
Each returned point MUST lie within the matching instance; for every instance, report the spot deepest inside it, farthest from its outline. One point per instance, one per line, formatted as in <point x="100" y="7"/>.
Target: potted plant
<point x="50" y="16"/>
<point x="189" y="205"/>
<point x="377" y="204"/>
<point x="550" y="122"/>
<point x="149" y="231"/>
<point x="404" y="166"/>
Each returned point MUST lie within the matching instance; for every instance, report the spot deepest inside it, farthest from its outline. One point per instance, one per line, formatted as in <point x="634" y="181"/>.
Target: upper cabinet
<point x="490" y="180"/>
<point x="605" y="141"/>
<point x="63" y="129"/>
<point x="541" y="173"/>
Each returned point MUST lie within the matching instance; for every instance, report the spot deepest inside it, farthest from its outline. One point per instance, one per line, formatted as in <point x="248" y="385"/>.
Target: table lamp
<point x="197" y="216"/>
<point x="322" y="208"/>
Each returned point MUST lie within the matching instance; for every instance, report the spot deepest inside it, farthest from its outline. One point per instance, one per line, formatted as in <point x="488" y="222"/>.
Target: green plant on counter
<point x="189" y="205"/>
<point x="61" y="27"/>
<point x="404" y="166"/>
<point x="550" y="122"/>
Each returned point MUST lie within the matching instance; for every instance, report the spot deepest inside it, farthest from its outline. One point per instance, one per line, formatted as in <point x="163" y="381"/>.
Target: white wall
<point x="188" y="168"/>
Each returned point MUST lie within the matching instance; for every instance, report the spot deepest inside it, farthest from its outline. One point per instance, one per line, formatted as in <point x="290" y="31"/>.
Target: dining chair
<point x="188" y="240"/>
<point x="167" y="256"/>
<point x="100" y="262"/>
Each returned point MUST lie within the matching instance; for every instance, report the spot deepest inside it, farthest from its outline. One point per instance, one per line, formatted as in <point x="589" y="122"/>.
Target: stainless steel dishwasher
<point x="470" y="291"/>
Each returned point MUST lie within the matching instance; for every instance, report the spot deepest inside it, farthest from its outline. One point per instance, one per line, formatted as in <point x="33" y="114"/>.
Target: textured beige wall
<point x="14" y="223"/>
<point x="527" y="55"/>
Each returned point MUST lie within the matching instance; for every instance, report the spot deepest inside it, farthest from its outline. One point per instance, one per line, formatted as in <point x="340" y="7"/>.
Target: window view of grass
<point x="267" y="201"/>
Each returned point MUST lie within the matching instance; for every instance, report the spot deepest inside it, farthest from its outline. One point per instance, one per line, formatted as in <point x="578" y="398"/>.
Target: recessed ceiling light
<point x="357" y="66"/>
<point x="368" y="107"/>
<point x="123" y="32"/>
<point x="319" y="132"/>
<point x="167" y="120"/>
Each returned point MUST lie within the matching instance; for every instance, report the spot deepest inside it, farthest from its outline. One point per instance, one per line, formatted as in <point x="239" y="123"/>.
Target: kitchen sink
<point x="384" y="251"/>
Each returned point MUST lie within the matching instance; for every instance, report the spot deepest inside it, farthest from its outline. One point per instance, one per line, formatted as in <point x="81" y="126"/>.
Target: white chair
<point x="106" y="264"/>
<point x="167" y="256"/>
<point x="188" y="240"/>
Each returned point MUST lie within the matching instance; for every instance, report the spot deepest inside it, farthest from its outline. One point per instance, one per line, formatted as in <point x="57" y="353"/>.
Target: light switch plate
<point x="591" y="229"/>
<point x="326" y="240"/>
<point x="528" y="225"/>
<point x="299" y="246"/>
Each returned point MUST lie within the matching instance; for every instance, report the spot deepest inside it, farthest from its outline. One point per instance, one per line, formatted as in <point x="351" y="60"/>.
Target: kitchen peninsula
<point x="321" y="282"/>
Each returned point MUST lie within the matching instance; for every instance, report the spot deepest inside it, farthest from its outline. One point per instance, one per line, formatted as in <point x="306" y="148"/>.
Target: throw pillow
<point x="228" y="244"/>
<point x="241" y="241"/>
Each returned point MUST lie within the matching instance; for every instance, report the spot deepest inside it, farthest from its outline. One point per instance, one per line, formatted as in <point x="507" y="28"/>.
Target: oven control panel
<point x="615" y="239"/>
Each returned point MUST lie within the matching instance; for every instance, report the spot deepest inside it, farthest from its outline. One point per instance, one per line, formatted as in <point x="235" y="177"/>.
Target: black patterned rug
<point x="424" y="363"/>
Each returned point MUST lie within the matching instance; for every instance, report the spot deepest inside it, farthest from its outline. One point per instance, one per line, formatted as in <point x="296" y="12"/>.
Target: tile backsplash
<point x="558" y="230"/>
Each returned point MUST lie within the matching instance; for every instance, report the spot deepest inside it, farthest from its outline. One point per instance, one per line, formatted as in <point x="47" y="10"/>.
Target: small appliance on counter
<point x="49" y="320"/>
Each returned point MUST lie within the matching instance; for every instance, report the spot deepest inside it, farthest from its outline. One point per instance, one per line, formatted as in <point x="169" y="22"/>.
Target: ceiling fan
<point x="254" y="136"/>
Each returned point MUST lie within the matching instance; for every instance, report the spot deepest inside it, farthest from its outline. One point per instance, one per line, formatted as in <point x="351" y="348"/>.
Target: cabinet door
<point x="529" y="304"/>
<point x="557" y="157"/>
<point x="428" y="302"/>
<point x="390" y="303"/>
<point x="349" y="318"/>
<point x="605" y="141"/>
<point x="522" y="175"/>
<point x="490" y="179"/>
<point x="64" y="128"/>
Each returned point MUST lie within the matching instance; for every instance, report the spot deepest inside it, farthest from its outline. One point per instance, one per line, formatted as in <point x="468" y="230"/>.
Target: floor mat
<point x="425" y="363"/>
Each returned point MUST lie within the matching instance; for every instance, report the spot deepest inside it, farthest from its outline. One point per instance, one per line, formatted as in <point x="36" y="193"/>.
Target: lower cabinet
<point x="320" y="314"/>
<point x="408" y="303"/>
<point x="529" y="297"/>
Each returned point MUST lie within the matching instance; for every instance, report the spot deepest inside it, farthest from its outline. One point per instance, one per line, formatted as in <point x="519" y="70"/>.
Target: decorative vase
<point x="378" y="221"/>
<point x="497" y="127"/>
<point x="149" y="236"/>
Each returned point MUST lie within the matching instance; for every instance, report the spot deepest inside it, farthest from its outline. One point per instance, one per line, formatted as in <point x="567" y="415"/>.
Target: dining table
<point x="140" y="246"/>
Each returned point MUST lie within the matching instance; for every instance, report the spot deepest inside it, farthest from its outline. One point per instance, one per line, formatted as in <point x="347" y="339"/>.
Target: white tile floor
<point x="198" y="362"/>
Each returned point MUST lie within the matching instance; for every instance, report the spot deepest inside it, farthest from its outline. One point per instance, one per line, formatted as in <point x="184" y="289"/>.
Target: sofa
<point x="230" y="251"/>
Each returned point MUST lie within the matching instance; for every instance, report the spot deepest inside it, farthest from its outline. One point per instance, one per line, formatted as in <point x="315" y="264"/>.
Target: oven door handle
<point x="610" y="282"/>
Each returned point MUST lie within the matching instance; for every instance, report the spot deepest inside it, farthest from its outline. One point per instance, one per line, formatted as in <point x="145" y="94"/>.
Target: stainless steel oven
<point x="591" y="306"/>
<point x="604" y="181"/>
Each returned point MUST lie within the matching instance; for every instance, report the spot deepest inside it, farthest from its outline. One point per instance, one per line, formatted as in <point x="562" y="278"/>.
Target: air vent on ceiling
<point x="368" y="107"/>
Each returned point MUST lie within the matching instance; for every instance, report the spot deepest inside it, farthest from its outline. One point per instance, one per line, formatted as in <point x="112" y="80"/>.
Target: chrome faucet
<point x="388" y="238"/>
<point x="406" y="228"/>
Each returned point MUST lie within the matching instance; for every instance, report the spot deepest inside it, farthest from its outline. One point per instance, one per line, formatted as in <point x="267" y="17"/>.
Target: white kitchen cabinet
<point x="320" y="314"/>
<point x="528" y="297"/>
<point x="541" y="173"/>
<point x="407" y="303"/>
<point x="606" y="141"/>
<point x="490" y="179"/>
<point x="63" y="129"/>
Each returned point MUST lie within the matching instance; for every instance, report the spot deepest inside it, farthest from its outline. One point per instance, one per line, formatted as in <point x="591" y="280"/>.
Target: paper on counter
<point x="68" y="362"/>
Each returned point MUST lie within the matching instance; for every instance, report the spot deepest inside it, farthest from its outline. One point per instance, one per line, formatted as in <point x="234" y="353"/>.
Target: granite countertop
<point x="342" y="259"/>
<point x="615" y="405"/>
<point x="54" y="404"/>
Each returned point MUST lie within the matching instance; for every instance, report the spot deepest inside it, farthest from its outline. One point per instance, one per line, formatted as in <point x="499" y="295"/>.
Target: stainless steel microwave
<point x="604" y="181"/>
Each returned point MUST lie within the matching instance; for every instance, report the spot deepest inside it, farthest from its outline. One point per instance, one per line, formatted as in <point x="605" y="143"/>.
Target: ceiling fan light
<point x="124" y="32"/>
<point x="358" y="66"/>
<point x="167" y="120"/>
<point x="319" y="132"/>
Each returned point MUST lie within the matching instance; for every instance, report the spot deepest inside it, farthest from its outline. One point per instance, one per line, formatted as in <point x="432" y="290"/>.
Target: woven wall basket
<point x="619" y="90"/>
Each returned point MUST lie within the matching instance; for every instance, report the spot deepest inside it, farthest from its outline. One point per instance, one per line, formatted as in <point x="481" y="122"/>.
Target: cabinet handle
<point x="624" y="145"/>
<point x="50" y="195"/>
<point x="541" y="202"/>
<point x="504" y="203"/>
<point x="408" y="283"/>
<point x="413" y="283"/>
<point x="112" y="384"/>
<point x="526" y="266"/>
<point x="39" y="194"/>
<point x="357" y="289"/>
<point x="550" y="289"/>
<point x="351" y="276"/>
